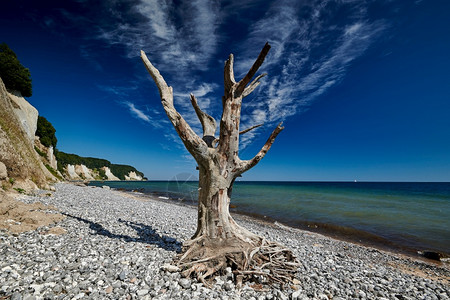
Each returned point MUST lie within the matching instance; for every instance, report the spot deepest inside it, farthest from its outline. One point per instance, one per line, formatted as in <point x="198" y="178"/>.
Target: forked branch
<point x="193" y="143"/>
<point x="259" y="61"/>
<point x="208" y="123"/>
<point x="252" y="86"/>
<point x="248" y="164"/>
<point x="229" y="80"/>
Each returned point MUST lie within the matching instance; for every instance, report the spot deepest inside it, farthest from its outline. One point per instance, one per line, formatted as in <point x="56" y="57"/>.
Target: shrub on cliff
<point x="15" y="76"/>
<point x="46" y="132"/>
<point x="94" y="163"/>
<point x="122" y="170"/>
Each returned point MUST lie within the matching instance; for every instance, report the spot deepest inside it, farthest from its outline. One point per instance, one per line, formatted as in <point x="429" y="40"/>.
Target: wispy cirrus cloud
<point x="309" y="55"/>
<point x="313" y="44"/>
<point x="179" y="39"/>
<point x="184" y="35"/>
<point x="137" y="113"/>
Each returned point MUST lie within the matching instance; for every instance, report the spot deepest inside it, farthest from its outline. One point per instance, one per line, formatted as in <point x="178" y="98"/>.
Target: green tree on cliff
<point x="46" y="132"/>
<point x="15" y="76"/>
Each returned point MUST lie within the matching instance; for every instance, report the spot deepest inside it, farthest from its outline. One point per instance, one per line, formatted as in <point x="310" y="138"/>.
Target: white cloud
<point x="157" y="12"/>
<point x="313" y="54"/>
<point x="137" y="113"/>
<point x="311" y="51"/>
<point x="179" y="38"/>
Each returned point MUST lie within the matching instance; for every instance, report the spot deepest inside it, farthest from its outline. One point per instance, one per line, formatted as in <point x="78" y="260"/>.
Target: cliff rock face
<point x="48" y="153"/>
<point x="71" y="172"/>
<point x="26" y="114"/>
<point x="3" y="171"/>
<point x="51" y="158"/>
<point x="133" y="176"/>
<point x="109" y="174"/>
<point x="84" y="172"/>
<point x="81" y="172"/>
<point x="18" y="122"/>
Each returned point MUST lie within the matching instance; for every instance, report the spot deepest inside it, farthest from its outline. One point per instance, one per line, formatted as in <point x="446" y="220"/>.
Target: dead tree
<point x="219" y="242"/>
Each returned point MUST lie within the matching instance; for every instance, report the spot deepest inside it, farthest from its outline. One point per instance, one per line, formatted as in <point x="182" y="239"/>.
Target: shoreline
<point x="117" y="244"/>
<point x="343" y="233"/>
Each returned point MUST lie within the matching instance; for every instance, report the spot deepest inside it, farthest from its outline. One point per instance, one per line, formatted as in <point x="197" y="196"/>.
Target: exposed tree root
<point x="258" y="261"/>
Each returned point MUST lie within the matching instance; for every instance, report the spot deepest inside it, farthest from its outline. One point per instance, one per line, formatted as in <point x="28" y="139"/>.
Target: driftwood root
<point x="263" y="262"/>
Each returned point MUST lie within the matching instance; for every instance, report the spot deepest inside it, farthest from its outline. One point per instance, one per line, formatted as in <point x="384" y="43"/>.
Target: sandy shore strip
<point x="115" y="246"/>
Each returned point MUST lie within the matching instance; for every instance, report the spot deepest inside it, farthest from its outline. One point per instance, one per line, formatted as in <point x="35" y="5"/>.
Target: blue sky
<point x="363" y="87"/>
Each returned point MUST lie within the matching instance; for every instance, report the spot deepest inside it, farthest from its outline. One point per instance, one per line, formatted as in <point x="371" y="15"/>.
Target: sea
<point x="400" y="216"/>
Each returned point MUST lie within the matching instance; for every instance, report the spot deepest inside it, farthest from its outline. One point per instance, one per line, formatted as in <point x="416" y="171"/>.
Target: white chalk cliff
<point x="81" y="172"/>
<point x="51" y="158"/>
<point x="71" y="172"/>
<point x="133" y="176"/>
<point x="109" y="174"/>
<point x="84" y="172"/>
<point x="26" y="113"/>
<point x="18" y="122"/>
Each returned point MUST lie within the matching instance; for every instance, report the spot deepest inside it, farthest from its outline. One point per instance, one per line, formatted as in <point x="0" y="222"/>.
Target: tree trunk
<point x="219" y="242"/>
<point x="214" y="219"/>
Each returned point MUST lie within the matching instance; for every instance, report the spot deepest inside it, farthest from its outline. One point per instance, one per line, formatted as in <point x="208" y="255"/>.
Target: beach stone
<point x="228" y="286"/>
<point x="16" y="296"/>
<point x="185" y="283"/>
<point x="3" y="171"/>
<point x="432" y="255"/>
<point x="295" y="295"/>
<point x="170" y="268"/>
<point x="142" y="292"/>
<point x="123" y="275"/>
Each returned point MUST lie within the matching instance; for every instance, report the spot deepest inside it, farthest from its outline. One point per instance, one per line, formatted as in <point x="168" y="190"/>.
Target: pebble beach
<point x="116" y="245"/>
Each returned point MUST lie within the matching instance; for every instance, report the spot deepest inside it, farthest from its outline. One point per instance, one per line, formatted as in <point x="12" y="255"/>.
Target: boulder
<point x="3" y="171"/>
<point x="432" y="255"/>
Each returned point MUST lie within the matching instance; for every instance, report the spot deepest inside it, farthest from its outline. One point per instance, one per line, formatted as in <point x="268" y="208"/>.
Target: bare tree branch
<point x="208" y="123"/>
<point x="229" y="80"/>
<point x="259" y="61"/>
<point x="248" y="164"/>
<point x="251" y="128"/>
<point x="165" y="91"/>
<point x="252" y="86"/>
<point x="193" y="143"/>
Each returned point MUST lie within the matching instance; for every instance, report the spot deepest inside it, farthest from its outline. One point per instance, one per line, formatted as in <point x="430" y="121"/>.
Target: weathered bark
<point x="219" y="241"/>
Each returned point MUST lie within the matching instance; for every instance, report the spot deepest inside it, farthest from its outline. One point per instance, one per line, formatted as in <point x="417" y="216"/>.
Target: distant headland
<point x="29" y="158"/>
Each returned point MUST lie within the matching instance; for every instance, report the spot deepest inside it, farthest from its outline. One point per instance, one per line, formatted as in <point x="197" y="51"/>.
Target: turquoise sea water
<point x="413" y="216"/>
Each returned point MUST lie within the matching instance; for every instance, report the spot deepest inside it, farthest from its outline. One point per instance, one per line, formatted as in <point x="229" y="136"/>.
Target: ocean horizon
<point x="403" y="216"/>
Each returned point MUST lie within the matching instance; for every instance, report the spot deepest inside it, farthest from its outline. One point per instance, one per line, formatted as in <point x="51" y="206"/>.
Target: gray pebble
<point x="185" y="283"/>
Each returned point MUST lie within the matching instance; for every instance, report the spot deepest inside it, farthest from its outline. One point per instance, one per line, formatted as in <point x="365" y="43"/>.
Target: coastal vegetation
<point x="219" y="242"/>
<point x="94" y="163"/>
<point x="15" y="76"/>
<point x="46" y="132"/>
